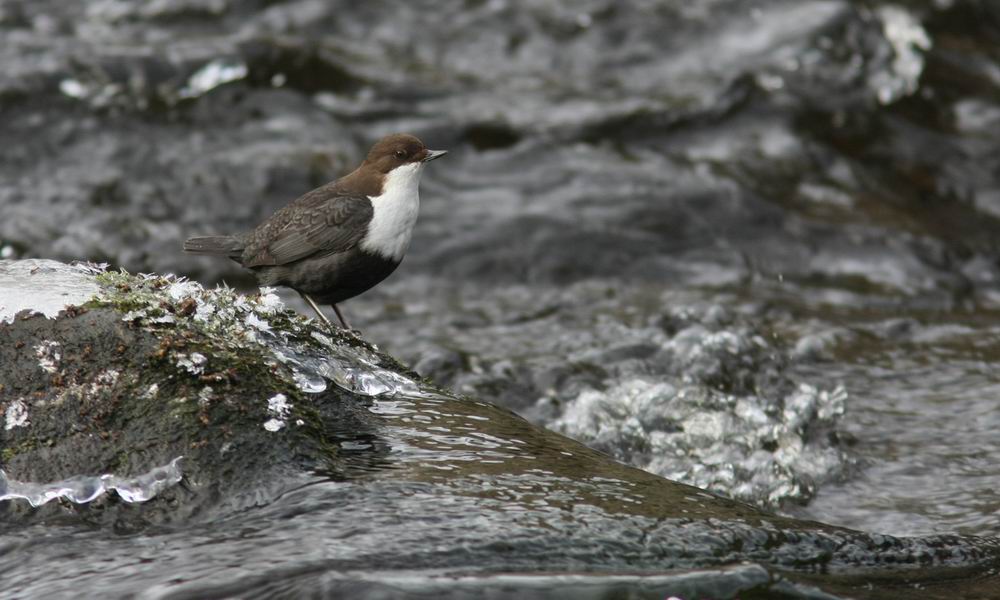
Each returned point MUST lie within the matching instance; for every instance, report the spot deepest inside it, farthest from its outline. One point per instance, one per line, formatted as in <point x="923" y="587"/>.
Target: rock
<point x="147" y="373"/>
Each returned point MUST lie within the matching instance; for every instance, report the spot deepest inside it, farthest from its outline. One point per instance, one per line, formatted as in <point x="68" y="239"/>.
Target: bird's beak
<point x="432" y="154"/>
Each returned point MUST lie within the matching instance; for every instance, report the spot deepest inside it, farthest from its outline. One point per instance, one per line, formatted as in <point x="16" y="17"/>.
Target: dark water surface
<point x="749" y="246"/>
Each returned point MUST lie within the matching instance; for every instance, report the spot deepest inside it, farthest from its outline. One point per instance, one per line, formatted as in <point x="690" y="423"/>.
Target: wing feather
<point x="324" y="221"/>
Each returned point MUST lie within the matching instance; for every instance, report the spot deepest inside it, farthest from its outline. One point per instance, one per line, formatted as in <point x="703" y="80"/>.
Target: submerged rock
<point x="153" y="401"/>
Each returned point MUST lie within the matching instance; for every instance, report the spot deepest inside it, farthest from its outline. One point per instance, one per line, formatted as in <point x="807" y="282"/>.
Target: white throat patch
<point x="395" y="213"/>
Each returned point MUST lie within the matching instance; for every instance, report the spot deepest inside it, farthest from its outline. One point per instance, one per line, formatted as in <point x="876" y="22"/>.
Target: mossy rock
<point x="153" y="369"/>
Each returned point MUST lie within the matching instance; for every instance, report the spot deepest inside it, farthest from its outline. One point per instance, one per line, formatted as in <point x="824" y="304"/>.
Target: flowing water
<point x="744" y="245"/>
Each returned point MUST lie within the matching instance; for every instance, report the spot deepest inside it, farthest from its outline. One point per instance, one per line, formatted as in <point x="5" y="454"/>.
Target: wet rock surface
<point x="153" y="368"/>
<point x="133" y="381"/>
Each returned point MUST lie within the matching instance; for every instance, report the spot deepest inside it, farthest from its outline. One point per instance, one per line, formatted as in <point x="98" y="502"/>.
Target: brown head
<point x="397" y="150"/>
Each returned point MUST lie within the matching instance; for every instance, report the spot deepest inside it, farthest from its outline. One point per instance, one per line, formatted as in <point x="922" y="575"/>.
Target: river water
<point x="744" y="245"/>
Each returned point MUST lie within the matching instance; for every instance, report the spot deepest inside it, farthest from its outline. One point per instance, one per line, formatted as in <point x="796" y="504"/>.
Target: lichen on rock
<point x="151" y="368"/>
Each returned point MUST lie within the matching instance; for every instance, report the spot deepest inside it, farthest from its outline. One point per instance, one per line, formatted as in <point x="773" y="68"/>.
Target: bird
<point x="341" y="239"/>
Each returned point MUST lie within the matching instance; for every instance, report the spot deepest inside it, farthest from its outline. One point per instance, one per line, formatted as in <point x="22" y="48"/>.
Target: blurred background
<point x="747" y="245"/>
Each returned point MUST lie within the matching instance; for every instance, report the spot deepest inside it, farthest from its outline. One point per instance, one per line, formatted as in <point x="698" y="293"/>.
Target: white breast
<point x="395" y="213"/>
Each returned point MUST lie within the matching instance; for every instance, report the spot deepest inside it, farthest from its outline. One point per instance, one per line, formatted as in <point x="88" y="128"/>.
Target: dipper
<point x="340" y="239"/>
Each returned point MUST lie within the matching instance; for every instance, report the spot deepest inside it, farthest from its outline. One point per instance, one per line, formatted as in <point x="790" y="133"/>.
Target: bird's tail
<point x="221" y="245"/>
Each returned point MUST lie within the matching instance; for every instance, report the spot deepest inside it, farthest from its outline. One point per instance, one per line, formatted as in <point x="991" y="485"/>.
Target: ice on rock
<point x="49" y="353"/>
<point x="269" y="302"/>
<point x="43" y="286"/>
<point x="106" y="378"/>
<point x="353" y="368"/>
<point x="253" y="319"/>
<point x="84" y="488"/>
<point x="181" y="289"/>
<point x="278" y="406"/>
<point x="255" y="322"/>
<point x="205" y="396"/>
<point x="194" y="362"/>
<point x="204" y="312"/>
<point x="235" y="317"/>
<point x="16" y="415"/>
<point x="274" y="425"/>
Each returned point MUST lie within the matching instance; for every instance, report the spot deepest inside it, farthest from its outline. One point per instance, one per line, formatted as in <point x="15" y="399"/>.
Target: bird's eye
<point x="400" y="153"/>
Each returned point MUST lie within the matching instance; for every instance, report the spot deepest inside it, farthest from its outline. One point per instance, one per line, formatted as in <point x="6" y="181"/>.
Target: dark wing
<point x="324" y="221"/>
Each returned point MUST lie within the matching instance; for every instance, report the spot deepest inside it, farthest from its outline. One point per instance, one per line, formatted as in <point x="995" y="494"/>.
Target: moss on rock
<point x="154" y="368"/>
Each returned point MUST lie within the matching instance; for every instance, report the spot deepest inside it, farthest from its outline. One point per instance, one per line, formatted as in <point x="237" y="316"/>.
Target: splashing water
<point x="908" y="40"/>
<point x="754" y="448"/>
<point x="212" y="75"/>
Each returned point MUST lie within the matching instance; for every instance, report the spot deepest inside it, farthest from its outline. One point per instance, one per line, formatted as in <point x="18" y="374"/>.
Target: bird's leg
<point x="340" y="316"/>
<point x="315" y="307"/>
